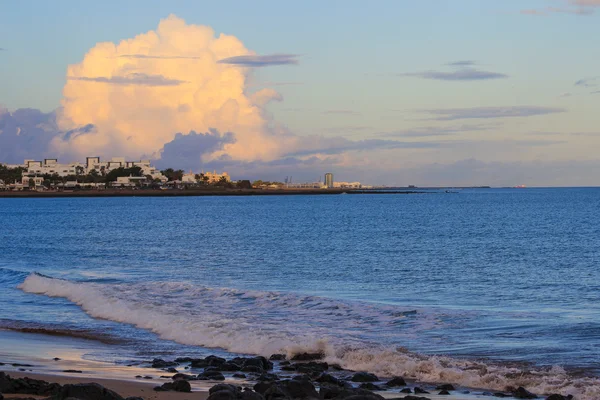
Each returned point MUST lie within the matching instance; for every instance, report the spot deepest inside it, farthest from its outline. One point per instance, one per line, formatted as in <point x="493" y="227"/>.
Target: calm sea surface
<point x="375" y="281"/>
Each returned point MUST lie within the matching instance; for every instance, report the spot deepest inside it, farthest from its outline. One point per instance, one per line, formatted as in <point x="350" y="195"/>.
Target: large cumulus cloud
<point x="140" y="92"/>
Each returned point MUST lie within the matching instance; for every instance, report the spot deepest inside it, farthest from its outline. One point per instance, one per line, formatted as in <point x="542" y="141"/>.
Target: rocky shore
<point x="304" y="376"/>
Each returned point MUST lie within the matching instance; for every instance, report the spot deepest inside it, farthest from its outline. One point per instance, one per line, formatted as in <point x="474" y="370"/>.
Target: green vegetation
<point x="173" y="175"/>
<point x="10" y="175"/>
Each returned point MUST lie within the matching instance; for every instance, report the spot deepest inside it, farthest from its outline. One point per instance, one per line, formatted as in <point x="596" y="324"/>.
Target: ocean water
<point x="485" y="288"/>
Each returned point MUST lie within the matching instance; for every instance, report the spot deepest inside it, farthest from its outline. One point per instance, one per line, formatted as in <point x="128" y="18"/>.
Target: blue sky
<point x="365" y="72"/>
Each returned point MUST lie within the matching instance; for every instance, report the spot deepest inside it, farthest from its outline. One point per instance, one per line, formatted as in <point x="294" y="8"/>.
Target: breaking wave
<point x="358" y="336"/>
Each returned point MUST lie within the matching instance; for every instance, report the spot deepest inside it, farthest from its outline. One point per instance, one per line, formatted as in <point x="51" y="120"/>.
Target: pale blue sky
<point x="361" y="65"/>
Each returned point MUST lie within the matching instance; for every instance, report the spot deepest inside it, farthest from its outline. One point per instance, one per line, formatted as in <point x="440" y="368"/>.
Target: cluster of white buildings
<point x="34" y="171"/>
<point x="51" y="166"/>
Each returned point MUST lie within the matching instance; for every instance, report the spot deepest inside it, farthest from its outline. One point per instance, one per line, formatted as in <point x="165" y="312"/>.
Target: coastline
<point x="193" y="192"/>
<point x="48" y="358"/>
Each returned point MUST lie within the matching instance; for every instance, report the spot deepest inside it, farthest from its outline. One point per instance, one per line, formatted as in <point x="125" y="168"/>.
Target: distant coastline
<point x="193" y="192"/>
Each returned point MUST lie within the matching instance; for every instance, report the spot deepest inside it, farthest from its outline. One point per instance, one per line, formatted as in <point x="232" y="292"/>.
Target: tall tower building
<point x="329" y="180"/>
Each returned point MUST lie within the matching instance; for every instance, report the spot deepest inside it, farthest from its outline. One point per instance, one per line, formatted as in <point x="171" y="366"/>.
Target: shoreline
<point x="194" y="192"/>
<point x="50" y="359"/>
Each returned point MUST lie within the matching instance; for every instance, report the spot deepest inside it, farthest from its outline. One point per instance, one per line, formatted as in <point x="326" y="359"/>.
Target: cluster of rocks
<point x="303" y="376"/>
<point x="54" y="391"/>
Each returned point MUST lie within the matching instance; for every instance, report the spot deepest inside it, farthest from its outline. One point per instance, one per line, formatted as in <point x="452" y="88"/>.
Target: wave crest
<point x="254" y="322"/>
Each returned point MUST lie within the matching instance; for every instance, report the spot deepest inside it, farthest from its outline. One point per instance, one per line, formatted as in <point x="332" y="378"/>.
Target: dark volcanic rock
<point x="406" y="390"/>
<point x="364" y="377"/>
<point x="10" y="385"/>
<point x="369" y="386"/>
<point x="444" y="393"/>
<point x="87" y="391"/>
<point x="230" y="366"/>
<point x="277" y="357"/>
<point x="252" y="368"/>
<point x="184" y="377"/>
<point x="418" y="390"/>
<point x="326" y="378"/>
<point x="445" y="386"/>
<point x="250" y="395"/>
<point x="267" y="377"/>
<point x="179" y="385"/>
<point x="296" y="389"/>
<point x="395" y="382"/>
<point x="183" y="359"/>
<point x="171" y="370"/>
<point x="358" y="394"/>
<point x="73" y="371"/>
<point x="199" y="363"/>
<point x="160" y="363"/>
<point x="238" y="375"/>
<point x="522" y="393"/>
<point x="231" y="392"/>
<point x="214" y="361"/>
<point x="211" y="376"/>
<point x="311" y="367"/>
<point x="559" y="397"/>
<point x="415" y="398"/>
<point x="308" y="357"/>
<point x="330" y="390"/>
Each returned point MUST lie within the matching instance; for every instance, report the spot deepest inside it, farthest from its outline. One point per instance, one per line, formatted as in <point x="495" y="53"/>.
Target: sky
<point x="427" y="92"/>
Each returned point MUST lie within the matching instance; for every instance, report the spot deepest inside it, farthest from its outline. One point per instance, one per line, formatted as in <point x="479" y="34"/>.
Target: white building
<point x="37" y="181"/>
<point x="189" y="178"/>
<point x="214" y="177"/>
<point x="347" y="185"/>
<point x="129" y="181"/>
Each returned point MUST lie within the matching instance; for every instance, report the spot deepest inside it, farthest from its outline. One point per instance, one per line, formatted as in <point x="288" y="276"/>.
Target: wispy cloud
<point x="343" y="112"/>
<point x="452" y="114"/>
<point x="428" y="131"/>
<point x="574" y="7"/>
<point x="462" y="71"/>
<point x="462" y="63"/>
<point x="271" y="84"/>
<point x="588" y="82"/>
<point x="553" y="10"/>
<point x="131" y="79"/>
<point x="261" y="61"/>
<point x="347" y="129"/>
<point x="595" y="92"/>
<point x="2" y="49"/>
<point x="160" y="57"/>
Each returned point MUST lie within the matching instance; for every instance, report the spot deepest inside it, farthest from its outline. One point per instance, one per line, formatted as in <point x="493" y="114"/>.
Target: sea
<point x="485" y="288"/>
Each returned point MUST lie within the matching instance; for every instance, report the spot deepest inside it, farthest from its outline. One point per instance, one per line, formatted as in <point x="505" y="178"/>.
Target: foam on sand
<point x="358" y="336"/>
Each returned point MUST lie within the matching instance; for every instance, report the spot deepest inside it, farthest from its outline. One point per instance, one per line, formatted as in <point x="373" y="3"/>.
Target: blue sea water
<point x="434" y="285"/>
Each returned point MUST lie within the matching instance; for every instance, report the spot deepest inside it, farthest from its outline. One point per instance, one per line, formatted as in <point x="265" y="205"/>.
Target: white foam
<point x="253" y="322"/>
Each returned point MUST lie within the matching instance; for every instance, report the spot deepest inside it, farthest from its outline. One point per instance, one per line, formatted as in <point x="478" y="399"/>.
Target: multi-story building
<point x="329" y="180"/>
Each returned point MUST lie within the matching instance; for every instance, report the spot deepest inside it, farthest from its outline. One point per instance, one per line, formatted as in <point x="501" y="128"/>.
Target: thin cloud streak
<point x="131" y="79"/>
<point x="463" y="70"/>
<point x="261" y="61"/>
<point x="343" y="112"/>
<point x="463" y="74"/>
<point x="160" y="57"/>
<point x="429" y="131"/>
<point x="462" y="63"/>
<point x="452" y="114"/>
